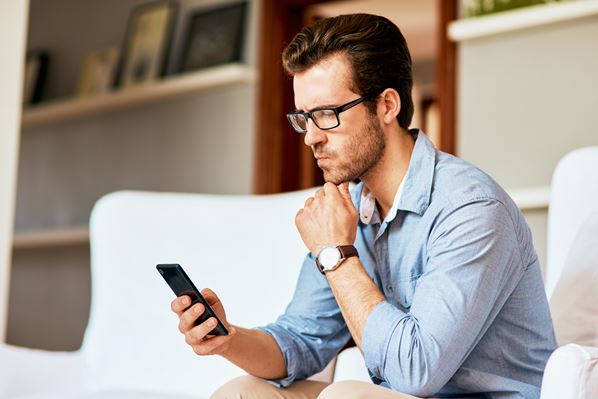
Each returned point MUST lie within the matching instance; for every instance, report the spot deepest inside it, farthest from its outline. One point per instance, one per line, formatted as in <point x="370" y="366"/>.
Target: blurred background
<point x="190" y="96"/>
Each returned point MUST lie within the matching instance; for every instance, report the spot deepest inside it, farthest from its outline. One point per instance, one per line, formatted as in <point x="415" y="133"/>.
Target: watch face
<point x="329" y="257"/>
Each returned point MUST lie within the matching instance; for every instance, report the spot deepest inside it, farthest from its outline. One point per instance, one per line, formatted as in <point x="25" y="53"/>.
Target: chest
<point x="395" y="256"/>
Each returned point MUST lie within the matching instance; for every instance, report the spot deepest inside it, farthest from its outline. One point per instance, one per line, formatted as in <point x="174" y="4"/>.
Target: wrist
<point x="331" y="258"/>
<point x="228" y="347"/>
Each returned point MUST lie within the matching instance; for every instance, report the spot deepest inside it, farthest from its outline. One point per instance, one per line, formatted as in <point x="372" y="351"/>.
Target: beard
<point x="360" y="155"/>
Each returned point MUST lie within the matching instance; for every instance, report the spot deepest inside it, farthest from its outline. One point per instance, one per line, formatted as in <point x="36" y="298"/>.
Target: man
<point x="428" y="264"/>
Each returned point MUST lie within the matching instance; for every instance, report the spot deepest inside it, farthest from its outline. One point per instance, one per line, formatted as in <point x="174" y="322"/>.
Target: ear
<point x="389" y="105"/>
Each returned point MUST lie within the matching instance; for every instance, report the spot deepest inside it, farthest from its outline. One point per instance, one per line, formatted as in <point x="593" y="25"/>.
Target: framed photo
<point x="145" y="49"/>
<point x="97" y="74"/>
<point x="214" y="37"/>
<point x="34" y="79"/>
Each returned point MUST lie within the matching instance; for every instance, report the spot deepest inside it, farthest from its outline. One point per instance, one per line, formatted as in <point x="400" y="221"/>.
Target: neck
<point x="384" y="179"/>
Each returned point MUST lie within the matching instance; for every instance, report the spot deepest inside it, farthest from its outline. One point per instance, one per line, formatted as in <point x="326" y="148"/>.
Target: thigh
<point x="361" y="390"/>
<point x="249" y="387"/>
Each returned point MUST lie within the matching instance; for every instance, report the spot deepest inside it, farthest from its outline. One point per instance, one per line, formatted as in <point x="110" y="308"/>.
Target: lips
<point x="322" y="161"/>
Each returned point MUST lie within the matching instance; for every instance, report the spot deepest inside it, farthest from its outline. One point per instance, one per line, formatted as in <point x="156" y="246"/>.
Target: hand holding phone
<point x="181" y="285"/>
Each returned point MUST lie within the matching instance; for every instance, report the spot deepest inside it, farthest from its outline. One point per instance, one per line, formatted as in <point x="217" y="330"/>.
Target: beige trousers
<point x="249" y="387"/>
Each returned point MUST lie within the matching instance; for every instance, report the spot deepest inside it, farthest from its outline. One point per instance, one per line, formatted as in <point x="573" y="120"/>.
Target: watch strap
<point x="347" y="251"/>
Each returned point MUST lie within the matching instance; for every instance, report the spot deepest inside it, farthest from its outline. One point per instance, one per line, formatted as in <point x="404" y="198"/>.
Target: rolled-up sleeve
<point x="474" y="264"/>
<point x="312" y="330"/>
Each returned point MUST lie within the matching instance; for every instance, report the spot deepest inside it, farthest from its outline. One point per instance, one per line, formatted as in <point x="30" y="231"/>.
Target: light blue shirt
<point x="465" y="313"/>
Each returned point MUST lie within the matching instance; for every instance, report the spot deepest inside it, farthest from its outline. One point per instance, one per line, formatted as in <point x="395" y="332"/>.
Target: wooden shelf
<point x="51" y="238"/>
<point x="62" y="110"/>
<point x="531" y="198"/>
<point x="507" y="21"/>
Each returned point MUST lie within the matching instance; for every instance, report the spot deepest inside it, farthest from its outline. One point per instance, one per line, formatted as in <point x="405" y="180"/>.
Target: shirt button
<point x="389" y="287"/>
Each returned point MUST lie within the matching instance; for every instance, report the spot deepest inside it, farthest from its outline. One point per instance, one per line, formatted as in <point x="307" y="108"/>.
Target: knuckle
<point x="199" y="350"/>
<point x="190" y="338"/>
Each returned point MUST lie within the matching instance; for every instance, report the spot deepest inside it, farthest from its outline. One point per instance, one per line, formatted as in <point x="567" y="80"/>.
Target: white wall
<point x="526" y="98"/>
<point x="13" y="21"/>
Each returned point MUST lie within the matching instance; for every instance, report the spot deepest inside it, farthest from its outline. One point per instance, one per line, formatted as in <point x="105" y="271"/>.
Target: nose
<point x="313" y="135"/>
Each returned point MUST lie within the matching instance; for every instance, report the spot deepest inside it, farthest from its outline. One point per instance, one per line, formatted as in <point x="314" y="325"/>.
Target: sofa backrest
<point x="573" y="198"/>
<point x="572" y="269"/>
<point x="245" y="248"/>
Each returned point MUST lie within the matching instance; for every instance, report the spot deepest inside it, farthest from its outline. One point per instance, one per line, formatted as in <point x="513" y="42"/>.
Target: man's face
<point x="352" y="149"/>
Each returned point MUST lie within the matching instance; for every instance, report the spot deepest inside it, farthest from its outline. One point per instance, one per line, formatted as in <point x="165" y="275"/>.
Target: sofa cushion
<point x="571" y="373"/>
<point x="574" y="303"/>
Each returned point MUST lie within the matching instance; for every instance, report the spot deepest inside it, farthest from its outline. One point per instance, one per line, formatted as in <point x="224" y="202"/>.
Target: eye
<point x="325" y="117"/>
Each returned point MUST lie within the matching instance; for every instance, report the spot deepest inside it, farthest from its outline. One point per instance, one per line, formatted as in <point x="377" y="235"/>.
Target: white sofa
<point x="572" y="277"/>
<point x="245" y="248"/>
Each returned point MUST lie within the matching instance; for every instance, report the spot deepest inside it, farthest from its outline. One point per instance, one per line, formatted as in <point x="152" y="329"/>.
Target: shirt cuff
<point x="379" y="328"/>
<point x="289" y="351"/>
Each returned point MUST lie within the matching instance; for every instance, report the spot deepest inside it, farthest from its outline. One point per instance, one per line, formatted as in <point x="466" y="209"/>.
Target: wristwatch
<point x="330" y="258"/>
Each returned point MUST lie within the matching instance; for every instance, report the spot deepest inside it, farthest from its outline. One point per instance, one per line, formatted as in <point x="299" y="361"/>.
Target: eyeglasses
<point x="325" y="118"/>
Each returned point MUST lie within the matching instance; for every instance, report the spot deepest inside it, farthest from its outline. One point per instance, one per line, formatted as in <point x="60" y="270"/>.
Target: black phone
<point x="181" y="284"/>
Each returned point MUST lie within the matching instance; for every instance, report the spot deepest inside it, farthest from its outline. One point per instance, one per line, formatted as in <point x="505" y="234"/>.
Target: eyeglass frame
<point x="337" y="110"/>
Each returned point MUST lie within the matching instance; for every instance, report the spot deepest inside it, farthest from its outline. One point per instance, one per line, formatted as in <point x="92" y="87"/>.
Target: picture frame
<point x="34" y="76"/>
<point x="97" y="73"/>
<point x="214" y="37"/>
<point x="146" y="46"/>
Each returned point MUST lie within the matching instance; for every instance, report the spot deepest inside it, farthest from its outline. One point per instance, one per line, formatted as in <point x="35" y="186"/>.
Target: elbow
<point x="421" y="389"/>
<point x="419" y="375"/>
<point x="421" y="385"/>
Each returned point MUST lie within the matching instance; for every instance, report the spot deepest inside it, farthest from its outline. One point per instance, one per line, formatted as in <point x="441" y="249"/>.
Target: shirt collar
<point x="413" y="194"/>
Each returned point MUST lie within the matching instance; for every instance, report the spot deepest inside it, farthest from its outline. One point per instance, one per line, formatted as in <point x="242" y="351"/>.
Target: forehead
<point x="326" y="83"/>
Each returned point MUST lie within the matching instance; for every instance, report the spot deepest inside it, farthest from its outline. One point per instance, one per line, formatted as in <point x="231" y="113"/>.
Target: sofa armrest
<point x="30" y="371"/>
<point x="571" y="373"/>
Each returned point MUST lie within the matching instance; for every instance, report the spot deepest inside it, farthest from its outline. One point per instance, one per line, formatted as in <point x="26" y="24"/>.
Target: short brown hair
<point x="374" y="46"/>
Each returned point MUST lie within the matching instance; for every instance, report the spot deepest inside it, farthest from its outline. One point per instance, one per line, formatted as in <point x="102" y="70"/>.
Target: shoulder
<point x="465" y="200"/>
<point x="458" y="183"/>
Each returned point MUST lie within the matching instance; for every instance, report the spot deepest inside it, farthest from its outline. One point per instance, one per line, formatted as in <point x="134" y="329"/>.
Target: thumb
<point x="344" y="190"/>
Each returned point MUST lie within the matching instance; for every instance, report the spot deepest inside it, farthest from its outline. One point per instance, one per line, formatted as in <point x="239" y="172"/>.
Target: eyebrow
<point x="317" y="108"/>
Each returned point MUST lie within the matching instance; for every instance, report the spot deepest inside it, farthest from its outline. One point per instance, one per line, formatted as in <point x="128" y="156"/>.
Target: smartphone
<point x="181" y="284"/>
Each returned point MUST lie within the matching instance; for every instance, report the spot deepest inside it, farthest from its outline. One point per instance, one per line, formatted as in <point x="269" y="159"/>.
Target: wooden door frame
<point x="13" y="16"/>
<point x="279" y="160"/>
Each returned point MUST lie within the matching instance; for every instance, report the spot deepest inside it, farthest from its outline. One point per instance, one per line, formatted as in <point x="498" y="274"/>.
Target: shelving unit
<point x="51" y="238"/>
<point x="62" y="110"/>
<point x="532" y="198"/>
<point x="508" y="21"/>
<point x="79" y="108"/>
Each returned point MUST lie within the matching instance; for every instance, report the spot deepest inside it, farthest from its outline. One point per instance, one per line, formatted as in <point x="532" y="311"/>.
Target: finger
<point x="188" y="318"/>
<point x="195" y="335"/>
<point x="210" y="296"/>
<point x="179" y="305"/>
<point x="343" y="188"/>
<point x="331" y="190"/>
<point x="320" y="193"/>
<point x="308" y="202"/>
<point x="209" y="346"/>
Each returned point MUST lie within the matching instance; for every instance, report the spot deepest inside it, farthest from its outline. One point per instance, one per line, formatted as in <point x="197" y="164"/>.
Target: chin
<point x="328" y="178"/>
<point x="335" y="179"/>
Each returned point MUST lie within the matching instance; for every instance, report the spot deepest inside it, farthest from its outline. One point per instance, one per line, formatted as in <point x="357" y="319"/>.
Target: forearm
<point x="257" y="353"/>
<point x="355" y="294"/>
